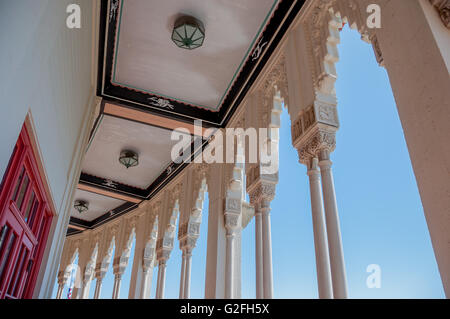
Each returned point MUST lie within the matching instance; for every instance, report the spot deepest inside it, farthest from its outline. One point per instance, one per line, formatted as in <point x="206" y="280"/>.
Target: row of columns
<point x="263" y="250"/>
<point x="185" y="280"/>
<point x="327" y="240"/>
<point x="330" y="265"/>
<point x="161" y="283"/>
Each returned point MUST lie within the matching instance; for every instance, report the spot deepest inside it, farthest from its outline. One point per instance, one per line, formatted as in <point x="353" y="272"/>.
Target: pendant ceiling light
<point x="188" y="33"/>
<point x="81" y="206"/>
<point x="128" y="158"/>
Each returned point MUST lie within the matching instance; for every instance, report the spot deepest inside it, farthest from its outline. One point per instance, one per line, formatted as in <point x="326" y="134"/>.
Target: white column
<point x="320" y="236"/>
<point x="183" y="274"/>
<point x="333" y="230"/>
<point x="158" y="282"/>
<point x="60" y="291"/>
<point x="258" y="253"/>
<point x="161" y="279"/>
<point x="229" y="288"/>
<point x="187" y="275"/>
<point x="146" y="283"/>
<point x="117" y="282"/>
<point x="267" y="249"/>
<point x="98" y="286"/>
<point x="85" y="289"/>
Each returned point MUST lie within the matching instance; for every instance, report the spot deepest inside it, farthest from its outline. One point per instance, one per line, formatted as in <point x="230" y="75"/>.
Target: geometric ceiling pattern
<point x="149" y="87"/>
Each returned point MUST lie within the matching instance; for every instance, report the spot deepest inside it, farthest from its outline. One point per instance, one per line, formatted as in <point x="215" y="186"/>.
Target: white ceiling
<point x="98" y="205"/>
<point x="152" y="144"/>
<point x="147" y="59"/>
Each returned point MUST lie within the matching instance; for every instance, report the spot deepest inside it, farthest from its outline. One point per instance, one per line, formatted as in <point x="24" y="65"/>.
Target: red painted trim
<point x="24" y="156"/>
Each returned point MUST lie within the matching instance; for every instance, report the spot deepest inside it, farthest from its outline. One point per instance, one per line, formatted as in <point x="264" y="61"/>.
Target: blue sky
<point x="381" y="215"/>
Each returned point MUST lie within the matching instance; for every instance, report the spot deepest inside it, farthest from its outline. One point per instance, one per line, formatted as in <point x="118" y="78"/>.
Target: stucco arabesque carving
<point x="443" y="9"/>
<point x="322" y="25"/>
<point x="274" y="84"/>
<point x="321" y="138"/>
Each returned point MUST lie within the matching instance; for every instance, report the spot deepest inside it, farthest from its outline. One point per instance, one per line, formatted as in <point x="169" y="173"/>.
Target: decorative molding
<point x="321" y="27"/>
<point x="276" y="79"/>
<point x="110" y="183"/>
<point x="258" y="49"/>
<point x="233" y="205"/>
<point x="321" y="117"/>
<point x="262" y="191"/>
<point x="113" y="10"/>
<point x="326" y="113"/>
<point x="160" y="102"/>
<point x="443" y="9"/>
<point x="321" y="138"/>
<point x="232" y="221"/>
<point x="269" y="38"/>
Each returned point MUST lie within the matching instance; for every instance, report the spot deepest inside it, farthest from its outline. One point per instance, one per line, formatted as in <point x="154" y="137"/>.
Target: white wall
<point x="47" y="69"/>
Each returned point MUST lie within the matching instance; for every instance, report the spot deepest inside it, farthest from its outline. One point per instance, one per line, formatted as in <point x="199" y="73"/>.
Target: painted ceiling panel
<point x="148" y="60"/>
<point x="153" y="145"/>
<point x="98" y="205"/>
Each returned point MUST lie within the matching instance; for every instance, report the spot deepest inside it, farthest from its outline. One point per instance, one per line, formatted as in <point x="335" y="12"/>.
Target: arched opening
<point x="380" y="208"/>
<point x="173" y="264"/>
<point x="126" y="277"/>
<point x="92" y="288"/>
<point x="248" y="260"/>
<point x="154" y="281"/>
<point x="74" y="277"/>
<point x="198" y="269"/>
<point x="108" y="280"/>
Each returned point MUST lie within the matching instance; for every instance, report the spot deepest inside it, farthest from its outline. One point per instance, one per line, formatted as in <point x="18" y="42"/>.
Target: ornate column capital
<point x="188" y="235"/>
<point x="119" y="265"/>
<point x="321" y="139"/>
<point x="233" y="208"/>
<point x="315" y="130"/>
<point x="275" y="85"/>
<point x="99" y="273"/>
<point x="63" y="276"/>
<point x="164" y="247"/>
<point x="89" y="272"/>
<point x="262" y="191"/>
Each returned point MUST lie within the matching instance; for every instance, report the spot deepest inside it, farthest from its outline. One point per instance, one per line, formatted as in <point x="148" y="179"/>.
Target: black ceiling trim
<point x="112" y="186"/>
<point x="112" y="214"/>
<point x="101" y="45"/>
<point x="131" y="106"/>
<point x="71" y="231"/>
<point x="284" y="8"/>
<point x="146" y="101"/>
<point x="97" y="122"/>
<point x="174" y="170"/>
<point x="79" y="222"/>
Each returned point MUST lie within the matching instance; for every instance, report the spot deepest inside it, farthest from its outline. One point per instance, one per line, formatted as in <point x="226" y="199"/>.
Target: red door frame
<point x="24" y="157"/>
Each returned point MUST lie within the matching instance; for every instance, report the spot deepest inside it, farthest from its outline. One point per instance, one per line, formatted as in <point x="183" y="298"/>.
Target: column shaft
<point x="229" y="265"/>
<point x="161" y="279"/>
<point x="187" y="276"/>
<point x="60" y="291"/>
<point x="333" y="229"/>
<point x="320" y="236"/>
<point x="85" y="289"/>
<point x="116" y="289"/>
<point x="158" y="282"/>
<point x="258" y="254"/>
<point x="267" y="250"/>
<point x="98" y="288"/>
<point x="183" y="274"/>
<point x="145" y="284"/>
